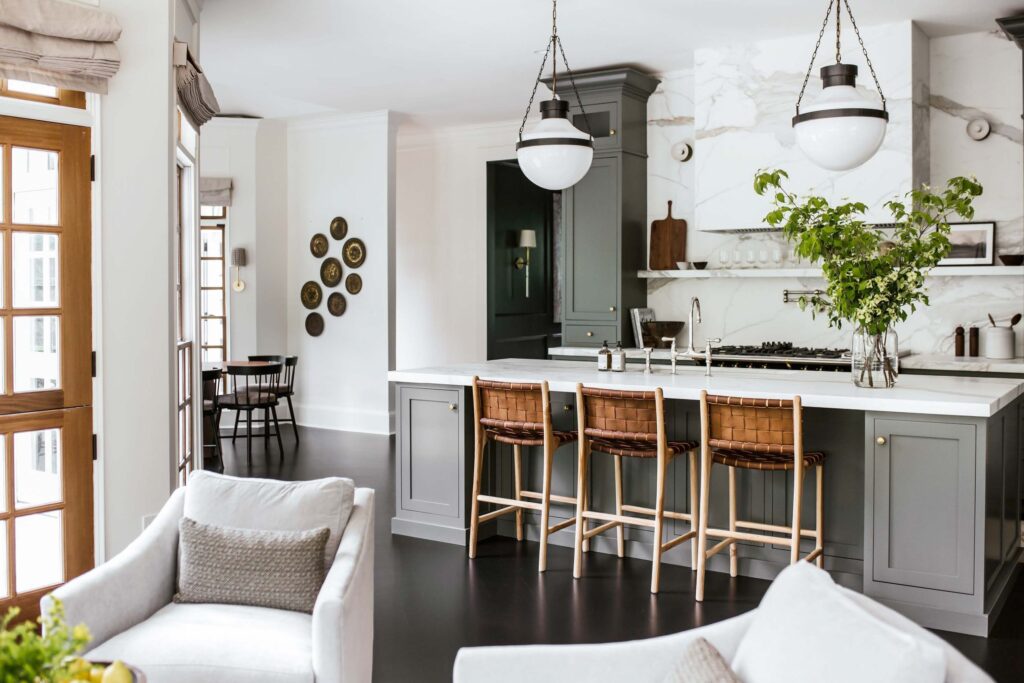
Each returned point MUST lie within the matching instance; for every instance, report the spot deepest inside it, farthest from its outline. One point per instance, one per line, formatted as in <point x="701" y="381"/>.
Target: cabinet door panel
<point x="924" y="489"/>
<point x="430" y="457"/>
<point x="592" y="241"/>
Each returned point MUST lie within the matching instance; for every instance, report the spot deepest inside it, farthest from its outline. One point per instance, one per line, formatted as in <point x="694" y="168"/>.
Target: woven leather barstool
<point x="755" y="434"/>
<point x="517" y="414"/>
<point x="629" y="424"/>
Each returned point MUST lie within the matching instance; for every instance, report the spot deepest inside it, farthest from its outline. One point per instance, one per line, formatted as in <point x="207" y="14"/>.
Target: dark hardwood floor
<point x="430" y="600"/>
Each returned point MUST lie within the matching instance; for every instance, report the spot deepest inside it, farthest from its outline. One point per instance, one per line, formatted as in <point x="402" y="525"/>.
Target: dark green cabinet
<point x="604" y="215"/>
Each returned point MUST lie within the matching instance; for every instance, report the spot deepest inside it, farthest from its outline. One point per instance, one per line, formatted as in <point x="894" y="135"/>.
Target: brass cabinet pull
<point x="611" y="309"/>
<point x="451" y="407"/>
<point x="880" y="441"/>
<point x="566" y="407"/>
<point x="590" y="334"/>
<point x="611" y="131"/>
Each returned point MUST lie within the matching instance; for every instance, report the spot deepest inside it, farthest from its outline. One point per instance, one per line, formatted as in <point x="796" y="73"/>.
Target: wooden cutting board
<point x="668" y="242"/>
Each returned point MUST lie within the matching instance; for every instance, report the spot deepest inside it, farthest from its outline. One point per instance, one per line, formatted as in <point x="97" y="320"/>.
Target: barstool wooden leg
<point x="586" y="500"/>
<point x="659" y="518"/>
<point x="702" y="523"/>
<point x="581" y="506"/>
<point x="621" y="548"/>
<point x="798" y="494"/>
<point x="733" y="558"/>
<point x="694" y="503"/>
<point x="517" y="451"/>
<point x="545" y="512"/>
<point x="474" y="524"/>
<point x="819" y="506"/>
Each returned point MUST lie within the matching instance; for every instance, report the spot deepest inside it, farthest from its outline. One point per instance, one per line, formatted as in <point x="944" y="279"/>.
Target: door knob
<point x="880" y="441"/>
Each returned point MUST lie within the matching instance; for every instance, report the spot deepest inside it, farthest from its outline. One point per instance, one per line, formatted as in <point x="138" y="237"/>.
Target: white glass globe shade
<point x="839" y="143"/>
<point x="555" y="166"/>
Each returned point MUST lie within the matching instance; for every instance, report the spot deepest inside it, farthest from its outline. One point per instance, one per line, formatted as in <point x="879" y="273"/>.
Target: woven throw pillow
<point x="279" y="569"/>
<point x="701" y="663"/>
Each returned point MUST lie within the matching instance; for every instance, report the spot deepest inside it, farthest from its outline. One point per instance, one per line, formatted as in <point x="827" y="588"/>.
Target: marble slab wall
<point x="960" y="76"/>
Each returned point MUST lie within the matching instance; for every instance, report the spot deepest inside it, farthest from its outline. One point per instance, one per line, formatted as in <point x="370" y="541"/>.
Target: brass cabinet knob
<point x="566" y="407"/>
<point x="880" y="441"/>
<point x="590" y="334"/>
<point x="611" y="309"/>
<point x="611" y="131"/>
<point x="451" y="407"/>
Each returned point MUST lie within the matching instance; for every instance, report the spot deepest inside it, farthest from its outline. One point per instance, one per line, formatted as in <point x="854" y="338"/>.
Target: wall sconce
<point x="527" y="241"/>
<point x="238" y="260"/>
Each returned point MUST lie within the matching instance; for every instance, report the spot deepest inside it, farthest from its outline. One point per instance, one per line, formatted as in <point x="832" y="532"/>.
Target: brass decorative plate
<point x="318" y="245"/>
<point x="339" y="228"/>
<point x="314" y="324"/>
<point x="312" y="295"/>
<point x="354" y="253"/>
<point x="330" y="272"/>
<point x="336" y="304"/>
<point x="353" y="283"/>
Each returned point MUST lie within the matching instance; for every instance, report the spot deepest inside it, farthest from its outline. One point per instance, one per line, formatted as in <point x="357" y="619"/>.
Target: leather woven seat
<point x="754" y="460"/>
<point x="523" y="433"/>
<point x="638" y="448"/>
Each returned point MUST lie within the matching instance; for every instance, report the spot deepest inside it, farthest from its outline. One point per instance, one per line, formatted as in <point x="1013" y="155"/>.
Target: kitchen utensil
<point x="1011" y="259"/>
<point x="654" y="330"/>
<point x="997" y="342"/>
<point x="1015" y="319"/>
<point x="958" y="341"/>
<point x="992" y="320"/>
<point x="668" y="242"/>
<point x="972" y="341"/>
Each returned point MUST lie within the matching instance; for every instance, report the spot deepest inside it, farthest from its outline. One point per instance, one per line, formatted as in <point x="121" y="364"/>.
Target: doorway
<point x="46" y="454"/>
<point x="522" y="282"/>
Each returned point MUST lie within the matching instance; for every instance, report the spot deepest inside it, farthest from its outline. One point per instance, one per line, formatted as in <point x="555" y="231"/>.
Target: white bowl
<point x="684" y="265"/>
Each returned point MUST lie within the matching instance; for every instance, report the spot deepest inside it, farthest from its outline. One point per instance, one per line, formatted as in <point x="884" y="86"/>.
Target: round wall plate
<point x="682" y="151"/>
<point x="336" y="304"/>
<point x="353" y="283"/>
<point x="238" y="285"/>
<point x="978" y="129"/>
<point x="314" y="324"/>
<point x="354" y="252"/>
<point x="318" y="245"/>
<point x="311" y="295"/>
<point x="339" y="228"/>
<point x="330" y="271"/>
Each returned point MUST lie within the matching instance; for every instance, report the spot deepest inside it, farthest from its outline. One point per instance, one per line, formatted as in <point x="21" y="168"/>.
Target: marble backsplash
<point x="744" y="310"/>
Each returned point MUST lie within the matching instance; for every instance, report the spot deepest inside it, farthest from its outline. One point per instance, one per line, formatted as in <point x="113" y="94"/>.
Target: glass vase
<point x="876" y="359"/>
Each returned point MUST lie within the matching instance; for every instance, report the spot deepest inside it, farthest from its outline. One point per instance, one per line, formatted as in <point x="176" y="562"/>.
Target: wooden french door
<point x="46" y="501"/>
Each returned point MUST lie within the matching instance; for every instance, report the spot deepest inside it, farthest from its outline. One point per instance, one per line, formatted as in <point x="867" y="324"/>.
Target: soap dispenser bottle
<point x="604" y="358"/>
<point x="618" y="358"/>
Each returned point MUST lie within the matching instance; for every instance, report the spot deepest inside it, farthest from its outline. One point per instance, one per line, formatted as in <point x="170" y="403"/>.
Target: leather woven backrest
<point x="615" y="414"/>
<point x="519" y="405"/>
<point x="753" y="424"/>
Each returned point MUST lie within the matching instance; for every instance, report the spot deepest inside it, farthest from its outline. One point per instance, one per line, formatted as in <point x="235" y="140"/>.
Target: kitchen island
<point x="922" y="481"/>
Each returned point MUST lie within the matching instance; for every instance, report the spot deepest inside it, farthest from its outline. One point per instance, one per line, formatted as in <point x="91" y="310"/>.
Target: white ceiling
<point x="473" y="61"/>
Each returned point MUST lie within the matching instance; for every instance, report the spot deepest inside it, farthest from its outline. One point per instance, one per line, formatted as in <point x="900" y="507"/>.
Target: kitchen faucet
<point x="694" y="303"/>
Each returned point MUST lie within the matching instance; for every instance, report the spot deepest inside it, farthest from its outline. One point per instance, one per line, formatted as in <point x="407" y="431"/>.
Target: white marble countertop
<point x="914" y="361"/>
<point x="921" y="394"/>
<point x="938" y="361"/>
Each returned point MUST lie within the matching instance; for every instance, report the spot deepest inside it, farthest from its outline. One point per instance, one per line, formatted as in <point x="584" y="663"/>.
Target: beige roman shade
<point x="58" y="43"/>
<point x="195" y="95"/>
<point x="215" y="191"/>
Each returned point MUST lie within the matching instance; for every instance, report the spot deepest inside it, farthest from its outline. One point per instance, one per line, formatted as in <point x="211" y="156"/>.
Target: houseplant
<point x="26" y="655"/>
<point x="874" y="277"/>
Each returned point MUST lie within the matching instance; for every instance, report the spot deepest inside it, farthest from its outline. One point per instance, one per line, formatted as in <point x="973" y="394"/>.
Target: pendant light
<point x="554" y="154"/>
<point x="842" y="128"/>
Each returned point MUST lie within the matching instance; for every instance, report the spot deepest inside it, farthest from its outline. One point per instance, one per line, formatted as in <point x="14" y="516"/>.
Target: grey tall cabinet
<point x="604" y="216"/>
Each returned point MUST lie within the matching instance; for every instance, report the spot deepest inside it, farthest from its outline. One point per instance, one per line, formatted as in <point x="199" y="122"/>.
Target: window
<point x="36" y="92"/>
<point x="213" y="272"/>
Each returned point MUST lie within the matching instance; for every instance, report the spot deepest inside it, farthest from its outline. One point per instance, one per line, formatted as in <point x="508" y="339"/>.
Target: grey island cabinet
<point x="922" y="481"/>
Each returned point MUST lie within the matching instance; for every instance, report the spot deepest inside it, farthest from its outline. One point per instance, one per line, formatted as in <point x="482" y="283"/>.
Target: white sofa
<point x="127" y="605"/>
<point x="651" y="660"/>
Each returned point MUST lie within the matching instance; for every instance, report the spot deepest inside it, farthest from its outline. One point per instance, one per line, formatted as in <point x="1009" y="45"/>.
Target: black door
<point x="518" y="326"/>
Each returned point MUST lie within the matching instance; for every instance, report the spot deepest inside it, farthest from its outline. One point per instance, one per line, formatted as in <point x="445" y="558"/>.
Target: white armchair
<point x="127" y="605"/>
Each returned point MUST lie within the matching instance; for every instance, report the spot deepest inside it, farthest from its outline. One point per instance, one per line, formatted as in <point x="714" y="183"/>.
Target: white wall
<point x="135" y="282"/>
<point x="253" y="153"/>
<point x="342" y="166"/>
<point x="441" y="266"/>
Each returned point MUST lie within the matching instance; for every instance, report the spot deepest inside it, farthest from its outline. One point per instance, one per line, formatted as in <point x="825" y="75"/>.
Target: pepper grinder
<point x="958" y="341"/>
<point x="972" y="341"/>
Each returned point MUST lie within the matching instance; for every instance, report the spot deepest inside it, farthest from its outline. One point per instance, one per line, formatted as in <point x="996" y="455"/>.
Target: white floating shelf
<point x="949" y="271"/>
